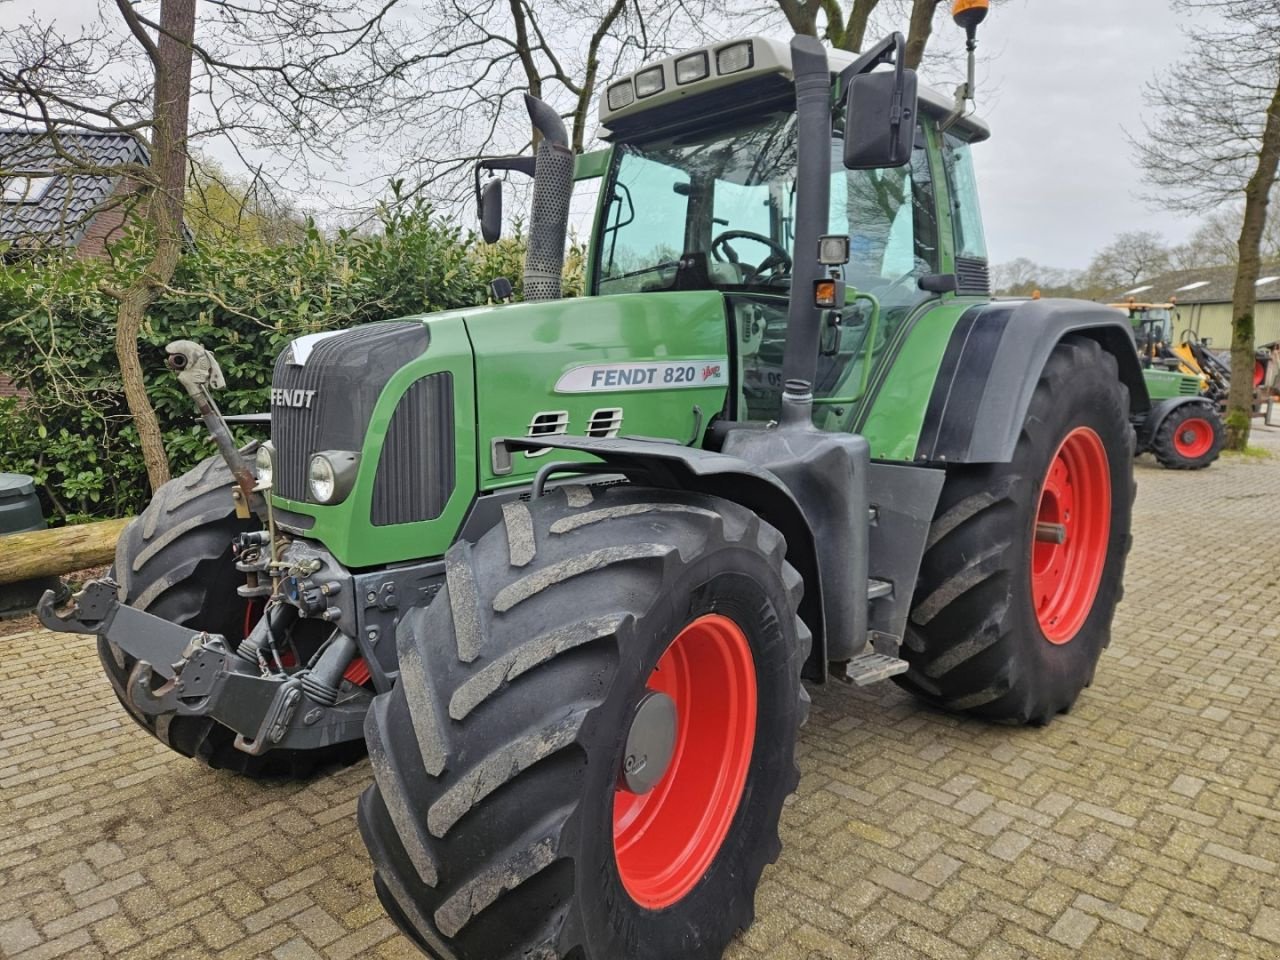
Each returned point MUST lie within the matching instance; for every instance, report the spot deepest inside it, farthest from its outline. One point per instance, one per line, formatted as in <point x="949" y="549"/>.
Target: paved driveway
<point x="1144" y="824"/>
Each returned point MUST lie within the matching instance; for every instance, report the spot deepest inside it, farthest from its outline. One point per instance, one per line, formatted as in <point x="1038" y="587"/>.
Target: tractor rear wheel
<point x="1023" y="566"/>
<point x="593" y="733"/>
<point x="1190" y="438"/>
<point x="175" y="561"/>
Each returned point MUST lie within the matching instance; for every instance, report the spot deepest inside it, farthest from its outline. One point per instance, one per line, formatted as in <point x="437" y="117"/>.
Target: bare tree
<point x="1023" y="277"/>
<point x="1130" y="257"/>
<point x="292" y="76"/>
<point x="484" y="55"/>
<point x="1215" y="139"/>
<point x="845" y="24"/>
<point x="1216" y="242"/>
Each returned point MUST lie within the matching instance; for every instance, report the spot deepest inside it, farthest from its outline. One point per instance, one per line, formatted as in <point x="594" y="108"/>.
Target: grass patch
<point x="1250" y="452"/>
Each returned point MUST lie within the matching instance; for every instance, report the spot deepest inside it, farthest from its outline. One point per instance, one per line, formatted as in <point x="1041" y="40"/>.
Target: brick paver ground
<point x="1144" y="824"/>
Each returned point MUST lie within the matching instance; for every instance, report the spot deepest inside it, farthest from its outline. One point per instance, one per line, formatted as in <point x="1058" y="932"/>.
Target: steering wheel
<point x="778" y="261"/>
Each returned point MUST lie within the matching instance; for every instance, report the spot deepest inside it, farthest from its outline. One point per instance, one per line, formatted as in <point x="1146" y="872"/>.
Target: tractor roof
<point x="729" y="63"/>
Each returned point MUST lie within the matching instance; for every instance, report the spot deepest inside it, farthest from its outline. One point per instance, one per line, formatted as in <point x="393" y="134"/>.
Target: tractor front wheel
<point x="1190" y="438"/>
<point x="593" y="733"/>
<point x="1023" y="566"/>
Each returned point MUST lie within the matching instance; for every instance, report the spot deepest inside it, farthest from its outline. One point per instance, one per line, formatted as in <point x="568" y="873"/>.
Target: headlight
<point x="649" y="82"/>
<point x="733" y="58"/>
<point x="621" y="95"/>
<point x="265" y="460"/>
<point x="692" y="68"/>
<point x="331" y="475"/>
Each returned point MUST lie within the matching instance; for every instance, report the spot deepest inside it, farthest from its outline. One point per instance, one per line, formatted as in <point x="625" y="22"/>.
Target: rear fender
<point x="671" y="466"/>
<point x="992" y="365"/>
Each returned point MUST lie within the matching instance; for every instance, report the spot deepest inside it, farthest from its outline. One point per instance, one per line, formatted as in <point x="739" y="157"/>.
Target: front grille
<point x="973" y="276"/>
<point x="346" y="373"/>
<point x="1189" y="388"/>
<point x="416" y="467"/>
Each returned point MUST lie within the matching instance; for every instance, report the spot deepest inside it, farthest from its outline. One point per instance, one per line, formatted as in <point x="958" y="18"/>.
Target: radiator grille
<point x="345" y="373"/>
<point x="415" y="475"/>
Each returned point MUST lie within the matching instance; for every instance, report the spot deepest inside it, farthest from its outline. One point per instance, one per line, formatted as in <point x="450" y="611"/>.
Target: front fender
<point x="1148" y="426"/>
<point x="672" y="466"/>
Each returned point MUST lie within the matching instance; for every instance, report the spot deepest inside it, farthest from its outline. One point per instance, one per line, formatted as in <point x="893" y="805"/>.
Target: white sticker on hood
<point x="303" y="346"/>
<point x="659" y="375"/>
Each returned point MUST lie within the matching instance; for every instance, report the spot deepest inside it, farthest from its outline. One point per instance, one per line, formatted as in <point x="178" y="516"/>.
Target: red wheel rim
<point x="1076" y="495"/>
<point x="1193" y="438"/>
<point x="664" y="840"/>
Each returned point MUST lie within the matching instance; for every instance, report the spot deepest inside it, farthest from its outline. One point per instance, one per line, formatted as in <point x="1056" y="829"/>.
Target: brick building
<point x="51" y="202"/>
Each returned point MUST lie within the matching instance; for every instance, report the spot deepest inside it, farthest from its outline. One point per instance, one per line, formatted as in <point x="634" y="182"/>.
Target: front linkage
<point x="269" y="689"/>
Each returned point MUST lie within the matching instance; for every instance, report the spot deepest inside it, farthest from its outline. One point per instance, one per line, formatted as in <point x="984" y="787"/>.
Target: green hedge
<point x="242" y="300"/>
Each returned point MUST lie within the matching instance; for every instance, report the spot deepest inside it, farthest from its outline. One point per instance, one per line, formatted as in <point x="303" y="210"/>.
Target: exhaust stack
<point x="549" y="219"/>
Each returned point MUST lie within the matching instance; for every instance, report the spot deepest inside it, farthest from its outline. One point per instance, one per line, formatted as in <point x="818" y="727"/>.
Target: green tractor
<point x="565" y="567"/>
<point x="1183" y="429"/>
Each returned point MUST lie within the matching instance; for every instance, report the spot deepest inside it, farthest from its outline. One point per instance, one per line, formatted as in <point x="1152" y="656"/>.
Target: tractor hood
<point x="408" y="409"/>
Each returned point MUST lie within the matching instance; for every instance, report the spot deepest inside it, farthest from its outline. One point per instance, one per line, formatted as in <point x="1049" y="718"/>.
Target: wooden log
<point x="59" y="550"/>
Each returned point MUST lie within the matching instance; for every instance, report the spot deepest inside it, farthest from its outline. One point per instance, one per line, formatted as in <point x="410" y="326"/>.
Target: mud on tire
<point x="497" y="755"/>
<point x="974" y="641"/>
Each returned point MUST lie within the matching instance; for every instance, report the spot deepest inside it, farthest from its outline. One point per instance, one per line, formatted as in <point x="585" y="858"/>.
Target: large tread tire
<point x="1170" y="452"/>
<point x="497" y="754"/>
<point x="973" y="639"/>
<point x="174" y="561"/>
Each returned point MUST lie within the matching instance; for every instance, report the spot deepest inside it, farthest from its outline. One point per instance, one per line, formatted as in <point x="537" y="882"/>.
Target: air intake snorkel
<point x="813" y="190"/>
<point x="549" y="219"/>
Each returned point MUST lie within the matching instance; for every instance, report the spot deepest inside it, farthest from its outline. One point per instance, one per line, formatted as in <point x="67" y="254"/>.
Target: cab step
<point x="868" y="668"/>
<point x="878" y="588"/>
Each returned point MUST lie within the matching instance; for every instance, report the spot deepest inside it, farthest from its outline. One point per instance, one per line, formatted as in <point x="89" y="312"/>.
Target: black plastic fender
<point x="672" y="466"/>
<point x="992" y="364"/>
<point x="1148" y="426"/>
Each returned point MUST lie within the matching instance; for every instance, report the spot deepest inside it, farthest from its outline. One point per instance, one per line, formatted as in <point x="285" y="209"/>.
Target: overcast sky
<point x="1061" y="83"/>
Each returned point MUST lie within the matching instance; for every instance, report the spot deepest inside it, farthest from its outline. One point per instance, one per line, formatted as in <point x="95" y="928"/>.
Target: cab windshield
<point x="715" y="210"/>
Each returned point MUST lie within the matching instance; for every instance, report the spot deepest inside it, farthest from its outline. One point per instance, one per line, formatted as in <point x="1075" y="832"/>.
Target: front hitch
<point x="196" y="674"/>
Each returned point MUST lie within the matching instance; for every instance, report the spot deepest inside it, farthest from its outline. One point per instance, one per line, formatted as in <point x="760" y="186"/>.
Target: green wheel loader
<point x="565" y="567"/>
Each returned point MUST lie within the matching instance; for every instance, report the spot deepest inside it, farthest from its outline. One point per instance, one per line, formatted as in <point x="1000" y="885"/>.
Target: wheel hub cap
<point x="650" y="743"/>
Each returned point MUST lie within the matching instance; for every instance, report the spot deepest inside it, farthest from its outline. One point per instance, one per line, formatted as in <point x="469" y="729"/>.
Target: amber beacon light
<point x="969" y="13"/>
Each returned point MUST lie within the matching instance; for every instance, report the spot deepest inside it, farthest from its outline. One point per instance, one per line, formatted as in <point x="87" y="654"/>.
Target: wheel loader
<point x="566" y="568"/>
<point x="1183" y="429"/>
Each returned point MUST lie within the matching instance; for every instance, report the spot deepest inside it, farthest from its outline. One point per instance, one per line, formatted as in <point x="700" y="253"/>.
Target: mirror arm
<point x="520" y="164"/>
<point x="891" y="49"/>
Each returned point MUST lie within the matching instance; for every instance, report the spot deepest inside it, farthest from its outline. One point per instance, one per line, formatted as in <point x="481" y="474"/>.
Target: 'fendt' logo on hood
<point x="292" y="398"/>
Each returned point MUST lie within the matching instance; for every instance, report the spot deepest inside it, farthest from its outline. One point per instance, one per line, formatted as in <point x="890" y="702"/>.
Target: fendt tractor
<point x="562" y="565"/>
<point x="1183" y="429"/>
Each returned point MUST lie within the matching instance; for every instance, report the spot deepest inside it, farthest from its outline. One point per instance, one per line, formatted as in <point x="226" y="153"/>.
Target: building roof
<point x="1202" y="285"/>
<point x="57" y="208"/>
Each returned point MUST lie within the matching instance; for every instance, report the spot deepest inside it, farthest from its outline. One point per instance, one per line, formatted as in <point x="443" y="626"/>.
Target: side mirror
<point x="491" y="211"/>
<point x="880" y="125"/>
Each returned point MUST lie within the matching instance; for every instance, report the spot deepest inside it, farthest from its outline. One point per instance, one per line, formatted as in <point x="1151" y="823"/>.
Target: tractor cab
<point x="700" y="194"/>
<point x="1153" y="330"/>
